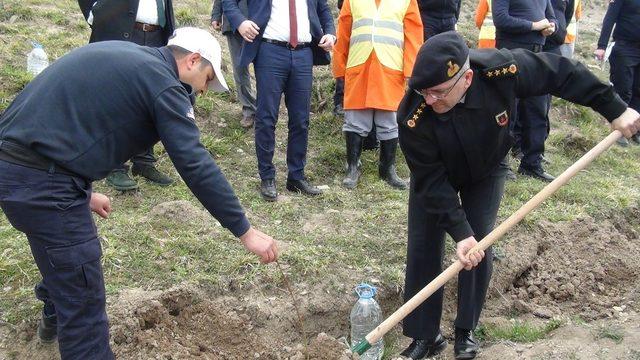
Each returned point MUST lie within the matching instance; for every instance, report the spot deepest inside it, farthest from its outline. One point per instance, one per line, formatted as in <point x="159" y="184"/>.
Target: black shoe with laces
<point x="466" y="346"/>
<point x="303" y="186"/>
<point x="268" y="189"/>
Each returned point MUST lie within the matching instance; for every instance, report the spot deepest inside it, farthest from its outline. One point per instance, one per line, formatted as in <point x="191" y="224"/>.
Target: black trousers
<point x="425" y="253"/>
<point x="625" y="72"/>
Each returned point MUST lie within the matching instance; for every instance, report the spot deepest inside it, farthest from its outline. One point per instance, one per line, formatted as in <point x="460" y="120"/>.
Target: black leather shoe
<point x="538" y="173"/>
<point x="420" y="349"/>
<point x="636" y="139"/>
<point x="268" y="189"/>
<point x="338" y="110"/>
<point x="466" y="346"/>
<point x="303" y="186"/>
<point x="511" y="175"/>
<point x="48" y="328"/>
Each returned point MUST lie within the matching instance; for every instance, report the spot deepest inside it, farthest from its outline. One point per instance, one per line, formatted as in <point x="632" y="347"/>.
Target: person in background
<point x="484" y="23"/>
<point x="144" y="22"/>
<point x="283" y="39"/>
<point x="524" y="24"/>
<point x="625" y="56"/>
<point x="241" y="75"/>
<point x="569" y="45"/>
<point x="438" y="16"/>
<point x="377" y="44"/>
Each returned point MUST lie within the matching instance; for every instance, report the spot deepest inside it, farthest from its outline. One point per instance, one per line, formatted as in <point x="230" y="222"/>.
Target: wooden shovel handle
<point x="497" y="233"/>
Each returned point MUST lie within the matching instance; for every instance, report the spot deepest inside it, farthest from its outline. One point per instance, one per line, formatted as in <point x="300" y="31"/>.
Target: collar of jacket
<point x="473" y="99"/>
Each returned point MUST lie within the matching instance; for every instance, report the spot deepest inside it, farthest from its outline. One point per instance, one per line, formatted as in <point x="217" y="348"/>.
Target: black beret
<point x="440" y="58"/>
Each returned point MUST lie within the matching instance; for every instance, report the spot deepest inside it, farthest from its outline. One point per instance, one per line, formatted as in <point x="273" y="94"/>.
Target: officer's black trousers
<point x="425" y="254"/>
<point x="625" y="72"/>
<point x="52" y="210"/>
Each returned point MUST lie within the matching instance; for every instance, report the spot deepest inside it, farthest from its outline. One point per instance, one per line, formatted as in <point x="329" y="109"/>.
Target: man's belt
<point x="286" y="44"/>
<point x="22" y="155"/>
<point x="146" y="27"/>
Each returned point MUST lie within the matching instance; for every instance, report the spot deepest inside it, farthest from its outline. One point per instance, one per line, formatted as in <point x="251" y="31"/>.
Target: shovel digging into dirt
<point x="377" y="334"/>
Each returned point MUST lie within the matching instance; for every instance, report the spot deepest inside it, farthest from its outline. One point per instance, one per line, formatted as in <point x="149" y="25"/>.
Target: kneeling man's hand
<point x="260" y="244"/>
<point x="469" y="260"/>
<point x="100" y="204"/>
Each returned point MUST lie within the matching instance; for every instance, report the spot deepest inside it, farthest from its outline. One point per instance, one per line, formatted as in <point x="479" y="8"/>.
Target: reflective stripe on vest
<point x="379" y="29"/>
<point x="572" y="28"/>
<point x="487" y="30"/>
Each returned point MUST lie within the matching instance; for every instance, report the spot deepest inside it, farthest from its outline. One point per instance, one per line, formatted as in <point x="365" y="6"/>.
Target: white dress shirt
<point x="147" y="12"/>
<point x="278" y="25"/>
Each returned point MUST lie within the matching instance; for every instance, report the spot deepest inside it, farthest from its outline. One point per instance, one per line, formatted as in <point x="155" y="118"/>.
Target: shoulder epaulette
<point x="413" y="120"/>
<point x="506" y="70"/>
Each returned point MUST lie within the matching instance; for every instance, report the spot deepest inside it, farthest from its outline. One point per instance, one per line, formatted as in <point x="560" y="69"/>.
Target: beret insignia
<point x="452" y="68"/>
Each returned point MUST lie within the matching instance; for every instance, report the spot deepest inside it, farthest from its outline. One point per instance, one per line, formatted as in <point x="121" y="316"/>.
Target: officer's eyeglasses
<point x="440" y="94"/>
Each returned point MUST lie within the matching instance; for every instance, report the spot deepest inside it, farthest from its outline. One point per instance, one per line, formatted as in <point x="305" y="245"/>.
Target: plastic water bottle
<point x="37" y="60"/>
<point x="366" y="316"/>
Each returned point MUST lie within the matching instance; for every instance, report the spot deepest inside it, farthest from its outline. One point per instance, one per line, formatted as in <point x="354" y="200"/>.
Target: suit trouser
<point x="425" y="253"/>
<point x="625" y="72"/>
<point x="280" y="70"/>
<point x="241" y="76"/>
<point x="434" y="26"/>
<point x="52" y="210"/>
<point x="529" y="122"/>
<point x="153" y="39"/>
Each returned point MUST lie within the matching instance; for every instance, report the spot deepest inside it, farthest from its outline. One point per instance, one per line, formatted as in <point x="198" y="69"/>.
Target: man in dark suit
<point x="144" y="22"/>
<point x="283" y="39"/>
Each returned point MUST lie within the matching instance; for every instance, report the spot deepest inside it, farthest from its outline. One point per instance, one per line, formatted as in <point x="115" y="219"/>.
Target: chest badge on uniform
<point x="416" y="115"/>
<point x="502" y="118"/>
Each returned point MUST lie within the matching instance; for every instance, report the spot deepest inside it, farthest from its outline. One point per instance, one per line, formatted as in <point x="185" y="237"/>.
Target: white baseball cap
<point x="202" y="42"/>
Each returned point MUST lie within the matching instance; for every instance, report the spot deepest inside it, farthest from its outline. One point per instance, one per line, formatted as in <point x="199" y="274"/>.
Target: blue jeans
<point x="52" y="210"/>
<point x="280" y="70"/>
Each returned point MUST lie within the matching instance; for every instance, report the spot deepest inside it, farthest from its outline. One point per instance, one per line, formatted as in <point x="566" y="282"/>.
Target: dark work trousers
<point x="338" y="95"/>
<point x="153" y="39"/>
<point x="280" y="70"/>
<point x="557" y="51"/>
<point x="425" y="253"/>
<point x="434" y="25"/>
<point x="52" y="210"/>
<point x="529" y="122"/>
<point x="625" y="72"/>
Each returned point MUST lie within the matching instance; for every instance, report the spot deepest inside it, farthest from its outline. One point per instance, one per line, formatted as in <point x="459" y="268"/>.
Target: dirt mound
<point x="583" y="267"/>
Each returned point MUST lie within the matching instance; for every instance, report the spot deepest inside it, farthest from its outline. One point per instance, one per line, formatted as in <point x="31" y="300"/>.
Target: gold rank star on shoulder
<point x="416" y="115"/>
<point x="502" y="71"/>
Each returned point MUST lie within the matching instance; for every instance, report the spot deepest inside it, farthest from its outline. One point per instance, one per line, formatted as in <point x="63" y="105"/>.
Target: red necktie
<point x="293" y="24"/>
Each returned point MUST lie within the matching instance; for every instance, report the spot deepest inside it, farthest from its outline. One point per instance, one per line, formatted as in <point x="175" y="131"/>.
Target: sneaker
<point x="152" y="174"/>
<point x="121" y="181"/>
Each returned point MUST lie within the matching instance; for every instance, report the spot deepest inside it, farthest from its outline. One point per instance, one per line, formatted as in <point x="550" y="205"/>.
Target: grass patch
<point x="612" y="332"/>
<point x="517" y="331"/>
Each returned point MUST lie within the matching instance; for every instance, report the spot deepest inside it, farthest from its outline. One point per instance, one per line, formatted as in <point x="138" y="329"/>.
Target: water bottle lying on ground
<point x="37" y="59"/>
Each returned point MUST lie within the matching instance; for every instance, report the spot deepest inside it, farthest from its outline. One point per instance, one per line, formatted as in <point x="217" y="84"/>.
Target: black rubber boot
<point x="387" y="166"/>
<point x="354" y="150"/>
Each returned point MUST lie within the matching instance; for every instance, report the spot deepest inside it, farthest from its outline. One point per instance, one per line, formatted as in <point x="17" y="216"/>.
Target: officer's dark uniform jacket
<point x="440" y="8"/>
<point x="446" y="152"/>
<point x="95" y="107"/>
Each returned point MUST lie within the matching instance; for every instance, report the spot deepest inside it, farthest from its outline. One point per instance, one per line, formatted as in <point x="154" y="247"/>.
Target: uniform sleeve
<point x="181" y="138"/>
<point x="341" y="50"/>
<point x="481" y="12"/>
<point x="413" y="37"/>
<point x="545" y="73"/>
<point x="505" y="22"/>
<point x="431" y="185"/>
<point x="610" y="18"/>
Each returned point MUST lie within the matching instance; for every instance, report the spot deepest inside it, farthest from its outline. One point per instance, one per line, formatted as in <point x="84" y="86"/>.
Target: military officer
<point x="453" y="125"/>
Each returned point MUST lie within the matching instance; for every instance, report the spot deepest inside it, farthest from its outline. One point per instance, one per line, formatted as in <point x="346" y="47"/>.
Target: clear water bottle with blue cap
<point x="37" y="59"/>
<point x="366" y="315"/>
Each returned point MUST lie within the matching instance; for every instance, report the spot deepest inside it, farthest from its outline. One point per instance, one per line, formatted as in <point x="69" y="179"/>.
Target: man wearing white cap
<point x="60" y="134"/>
